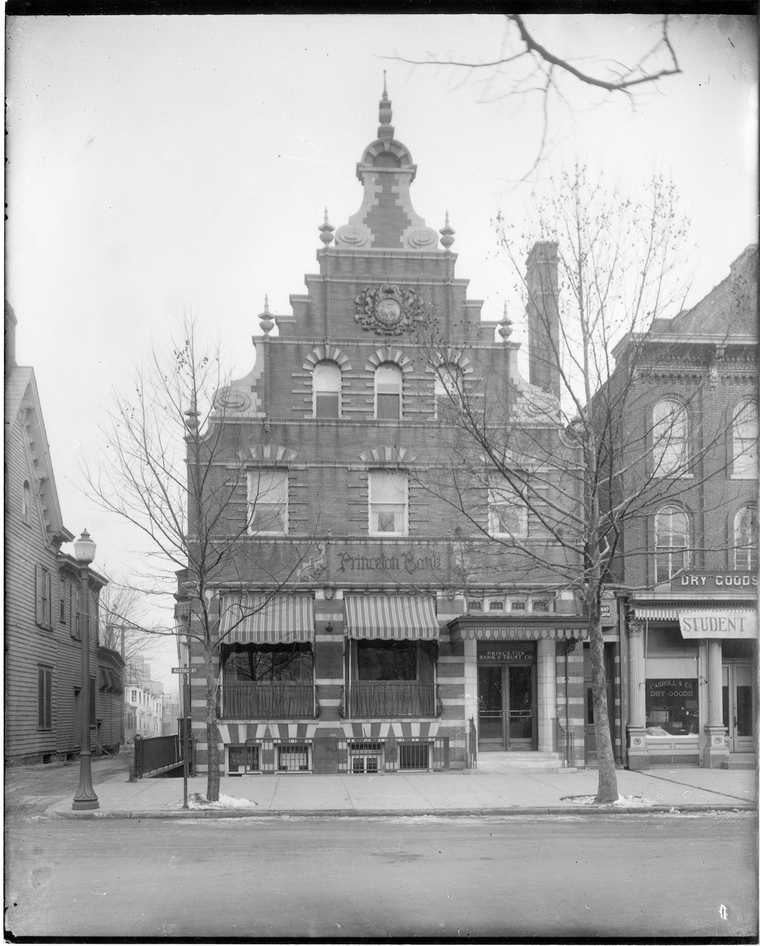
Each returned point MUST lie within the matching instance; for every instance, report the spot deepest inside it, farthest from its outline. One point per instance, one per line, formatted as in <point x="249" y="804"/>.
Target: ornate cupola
<point x="386" y="219"/>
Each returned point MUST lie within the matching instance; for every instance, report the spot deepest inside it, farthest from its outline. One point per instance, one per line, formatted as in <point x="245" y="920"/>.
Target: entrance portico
<point x="518" y="662"/>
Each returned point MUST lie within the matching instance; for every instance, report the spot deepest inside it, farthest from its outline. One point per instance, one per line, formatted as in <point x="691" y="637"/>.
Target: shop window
<point x="267" y="663"/>
<point x="388" y="390"/>
<point x="44" y="697"/>
<point x="672" y="706"/>
<point x="327" y="389"/>
<point x="268" y="502"/>
<point x="293" y="758"/>
<point x="671" y="540"/>
<point x="387" y="503"/>
<point x="386" y="660"/>
<point x="670" y="437"/>
<point x="745" y="539"/>
<point x="507" y="512"/>
<point x="744" y="441"/>
<point x="447" y="389"/>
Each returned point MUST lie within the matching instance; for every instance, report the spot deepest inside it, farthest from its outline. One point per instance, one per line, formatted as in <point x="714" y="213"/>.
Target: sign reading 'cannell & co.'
<point x="727" y="624"/>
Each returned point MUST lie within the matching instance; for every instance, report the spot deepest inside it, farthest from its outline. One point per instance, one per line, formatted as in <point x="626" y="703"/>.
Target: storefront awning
<point x="483" y="630"/>
<point x="257" y="619"/>
<point x="391" y="617"/>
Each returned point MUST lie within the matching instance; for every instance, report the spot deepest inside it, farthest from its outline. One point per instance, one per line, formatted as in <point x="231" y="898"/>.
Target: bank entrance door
<point x="506" y="707"/>
<point x="737" y="706"/>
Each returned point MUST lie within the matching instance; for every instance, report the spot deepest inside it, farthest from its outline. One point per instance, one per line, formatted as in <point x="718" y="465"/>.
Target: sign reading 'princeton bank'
<point x="741" y="625"/>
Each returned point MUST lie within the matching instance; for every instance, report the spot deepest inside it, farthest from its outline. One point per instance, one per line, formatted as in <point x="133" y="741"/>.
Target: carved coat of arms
<point x="388" y="310"/>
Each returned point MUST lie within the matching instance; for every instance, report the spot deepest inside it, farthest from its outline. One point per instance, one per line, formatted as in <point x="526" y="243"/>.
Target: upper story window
<point x="326" y="388"/>
<point x="671" y="542"/>
<point x="26" y="502"/>
<point x="507" y="512"/>
<point x="670" y="421"/>
<point x="447" y="388"/>
<point x="268" y="502"/>
<point x="744" y="441"/>
<point x="388" y="389"/>
<point x="388" y="503"/>
<point x="745" y="539"/>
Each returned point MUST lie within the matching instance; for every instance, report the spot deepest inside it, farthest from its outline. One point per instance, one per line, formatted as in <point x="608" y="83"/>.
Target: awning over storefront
<point x="483" y="630"/>
<point x="391" y="617"/>
<point x="672" y="612"/>
<point x="257" y="619"/>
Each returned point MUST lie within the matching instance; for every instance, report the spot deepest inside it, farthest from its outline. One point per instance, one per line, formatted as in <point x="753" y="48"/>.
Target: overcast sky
<point x="164" y="164"/>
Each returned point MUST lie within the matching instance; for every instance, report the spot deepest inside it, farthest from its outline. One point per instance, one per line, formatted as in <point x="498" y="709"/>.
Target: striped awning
<point x="656" y="614"/>
<point x="505" y="632"/>
<point x="260" y="619"/>
<point x="391" y="617"/>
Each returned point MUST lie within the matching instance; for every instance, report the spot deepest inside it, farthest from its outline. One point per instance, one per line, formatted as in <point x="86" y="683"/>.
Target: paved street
<point x="635" y="876"/>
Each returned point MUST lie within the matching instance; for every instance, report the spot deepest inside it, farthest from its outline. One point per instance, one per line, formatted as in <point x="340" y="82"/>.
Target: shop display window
<point x="672" y="706"/>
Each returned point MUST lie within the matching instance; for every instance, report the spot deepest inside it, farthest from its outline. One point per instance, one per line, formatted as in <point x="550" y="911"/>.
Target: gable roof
<point x="21" y="394"/>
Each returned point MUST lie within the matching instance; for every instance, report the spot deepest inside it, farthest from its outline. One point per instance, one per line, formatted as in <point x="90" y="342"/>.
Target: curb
<point x="405" y="813"/>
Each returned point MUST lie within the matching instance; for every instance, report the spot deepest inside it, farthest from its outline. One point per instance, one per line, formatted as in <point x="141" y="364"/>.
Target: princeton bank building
<point x="693" y="673"/>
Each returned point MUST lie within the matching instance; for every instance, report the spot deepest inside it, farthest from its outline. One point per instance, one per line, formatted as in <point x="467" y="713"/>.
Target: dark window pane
<point x="387" y="660"/>
<point x="327" y="404"/>
<point x="388" y="406"/>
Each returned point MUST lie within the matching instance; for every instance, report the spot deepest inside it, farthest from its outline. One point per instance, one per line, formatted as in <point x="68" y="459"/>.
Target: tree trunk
<point x="212" y="731"/>
<point x="607" y="790"/>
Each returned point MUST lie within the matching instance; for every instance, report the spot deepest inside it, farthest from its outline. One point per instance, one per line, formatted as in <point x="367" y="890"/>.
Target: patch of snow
<point x="623" y="801"/>
<point x="196" y="800"/>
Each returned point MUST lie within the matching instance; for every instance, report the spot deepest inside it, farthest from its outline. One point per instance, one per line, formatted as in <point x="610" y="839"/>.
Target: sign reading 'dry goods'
<point x="741" y="625"/>
<point x="711" y="581"/>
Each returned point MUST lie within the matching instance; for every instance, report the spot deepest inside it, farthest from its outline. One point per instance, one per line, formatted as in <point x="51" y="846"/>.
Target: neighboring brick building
<point x="403" y="634"/>
<point x="691" y="431"/>
<point x="42" y="588"/>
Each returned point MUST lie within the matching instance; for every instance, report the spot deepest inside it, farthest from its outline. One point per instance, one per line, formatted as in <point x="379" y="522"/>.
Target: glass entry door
<point x="491" y="733"/>
<point x="506" y="702"/>
<point x="737" y="707"/>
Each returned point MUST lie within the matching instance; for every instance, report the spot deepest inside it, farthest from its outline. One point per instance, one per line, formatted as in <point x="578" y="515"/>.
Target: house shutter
<point x="39" y="578"/>
<point x="40" y="698"/>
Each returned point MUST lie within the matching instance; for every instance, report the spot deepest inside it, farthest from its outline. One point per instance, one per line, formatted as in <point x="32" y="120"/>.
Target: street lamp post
<point x="85" y="797"/>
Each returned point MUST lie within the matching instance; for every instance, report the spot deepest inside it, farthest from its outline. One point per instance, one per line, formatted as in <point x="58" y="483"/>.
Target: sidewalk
<point x="451" y="793"/>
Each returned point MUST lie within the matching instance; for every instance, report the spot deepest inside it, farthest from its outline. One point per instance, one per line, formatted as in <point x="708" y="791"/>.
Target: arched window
<point x="388" y="387"/>
<point x="745" y="539"/>
<point x="744" y="437"/>
<point x="670" y="437"/>
<point x="671" y="542"/>
<point x="26" y="502"/>
<point x="448" y="388"/>
<point x="326" y="388"/>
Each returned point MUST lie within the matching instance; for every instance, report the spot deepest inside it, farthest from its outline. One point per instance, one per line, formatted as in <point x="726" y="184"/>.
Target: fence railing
<point x="270" y="756"/>
<point x="156" y="754"/>
<point x="268" y="701"/>
<point x="565" y="740"/>
<point x="390" y="700"/>
<point x="403" y="754"/>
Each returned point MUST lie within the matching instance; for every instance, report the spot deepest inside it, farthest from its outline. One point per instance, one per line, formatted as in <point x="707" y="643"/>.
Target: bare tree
<point x="561" y="451"/>
<point x="124" y="624"/>
<point x="526" y="68"/>
<point x="171" y="466"/>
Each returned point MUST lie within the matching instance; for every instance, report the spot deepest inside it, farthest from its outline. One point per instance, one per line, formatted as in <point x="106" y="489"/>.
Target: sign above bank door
<point x="737" y="625"/>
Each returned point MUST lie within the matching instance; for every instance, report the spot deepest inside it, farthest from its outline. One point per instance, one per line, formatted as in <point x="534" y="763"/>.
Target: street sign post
<point x="186" y="671"/>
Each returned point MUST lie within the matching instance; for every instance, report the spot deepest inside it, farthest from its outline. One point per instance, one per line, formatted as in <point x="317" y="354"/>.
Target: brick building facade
<point x="364" y="625"/>
<point x="691" y="631"/>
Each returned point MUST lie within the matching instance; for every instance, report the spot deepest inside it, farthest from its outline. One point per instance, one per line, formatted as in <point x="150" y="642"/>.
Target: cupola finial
<point x="505" y="325"/>
<point x="326" y="231"/>
<point x="386" y="129"/>
<point x="447" y="233"/>
<point x="265" y="319"/>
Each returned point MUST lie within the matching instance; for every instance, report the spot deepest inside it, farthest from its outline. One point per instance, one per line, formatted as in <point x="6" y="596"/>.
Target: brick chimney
<point x="543" y="317"/>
